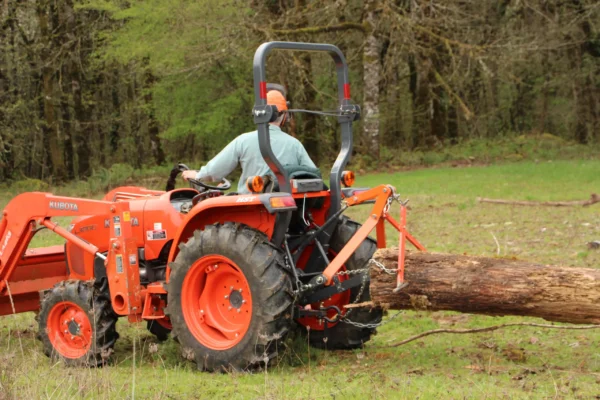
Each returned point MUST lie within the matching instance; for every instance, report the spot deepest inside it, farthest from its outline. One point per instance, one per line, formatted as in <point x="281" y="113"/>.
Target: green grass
<point x="512" y="363"/>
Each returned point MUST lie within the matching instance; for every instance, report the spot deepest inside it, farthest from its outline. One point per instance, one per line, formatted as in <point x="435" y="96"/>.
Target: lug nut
<point x="238" y="310"/>
<point x="237" y="334"/>
<point x="243" y="301"/>
<point x="230" y="308"/>
<point x="240" y="290"/>
<point x="226" y="296"/>
<point x="231" y="288"/>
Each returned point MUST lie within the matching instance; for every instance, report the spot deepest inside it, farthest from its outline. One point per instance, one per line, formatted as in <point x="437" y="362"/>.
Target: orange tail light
<point x="255" y="184"/>
<point x="348" y="178"/>
<point x="282" y="202"/>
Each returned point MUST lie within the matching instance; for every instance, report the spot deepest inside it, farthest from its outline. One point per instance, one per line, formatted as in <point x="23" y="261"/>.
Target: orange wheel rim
<point x="69" y="330"/>
<point x="216" y="302"/>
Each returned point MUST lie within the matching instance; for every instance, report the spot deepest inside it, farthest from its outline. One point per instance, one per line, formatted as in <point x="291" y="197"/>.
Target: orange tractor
<point x="228" y="275"/>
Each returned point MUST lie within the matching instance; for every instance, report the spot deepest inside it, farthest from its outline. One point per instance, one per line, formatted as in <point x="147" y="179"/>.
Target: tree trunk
<point x="372" y="78"/>
<point x="491" y="286"/>
<point x="51" y="129"/>
<point x="153" y="129"/>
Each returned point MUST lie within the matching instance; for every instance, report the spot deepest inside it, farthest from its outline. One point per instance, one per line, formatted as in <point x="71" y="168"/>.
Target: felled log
<point x="491" y="286"/>
<point x="594" y="198"/>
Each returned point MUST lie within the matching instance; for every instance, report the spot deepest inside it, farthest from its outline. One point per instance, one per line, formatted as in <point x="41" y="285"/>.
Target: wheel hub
<point x="73" y="328"/>
<point x="236" y="299"/>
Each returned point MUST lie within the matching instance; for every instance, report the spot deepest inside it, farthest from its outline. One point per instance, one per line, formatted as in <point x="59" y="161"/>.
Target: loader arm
<point x="29" y="212"/>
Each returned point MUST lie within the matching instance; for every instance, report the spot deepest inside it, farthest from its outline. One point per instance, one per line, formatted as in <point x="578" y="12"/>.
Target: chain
<point x="360" y="293"/>
<point x="353" y="272"/>
<point x="373" y="325"/>
<point x="386" y="209"/>
<point x="382" y="267"/>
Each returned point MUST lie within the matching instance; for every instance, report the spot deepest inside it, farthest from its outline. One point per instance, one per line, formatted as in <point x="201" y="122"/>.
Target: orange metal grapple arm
<point x="28" y="211"/>
<point x="382" y="195"/>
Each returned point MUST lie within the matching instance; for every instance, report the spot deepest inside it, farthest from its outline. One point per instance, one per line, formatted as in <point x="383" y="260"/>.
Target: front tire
<point x="229" y="298"/>
<point x="77" y="324"/>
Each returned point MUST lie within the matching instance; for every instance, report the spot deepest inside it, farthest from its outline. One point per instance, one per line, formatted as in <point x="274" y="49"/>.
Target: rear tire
<point x="229" y="298"/>
<point x="77" y="324"/>
<point x="343" y="335"/>
<point x="158" y="329"/>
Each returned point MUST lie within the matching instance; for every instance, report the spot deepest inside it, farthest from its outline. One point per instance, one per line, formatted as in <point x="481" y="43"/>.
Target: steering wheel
<point x="222" y="186"/>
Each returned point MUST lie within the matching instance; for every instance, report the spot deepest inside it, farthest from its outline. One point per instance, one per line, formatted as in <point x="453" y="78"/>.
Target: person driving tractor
<point x="245" y="150"/>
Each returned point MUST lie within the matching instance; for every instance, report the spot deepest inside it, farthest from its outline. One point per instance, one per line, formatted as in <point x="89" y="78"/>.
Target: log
<point x="491" y="286"/>
<point x="594" y="198"/>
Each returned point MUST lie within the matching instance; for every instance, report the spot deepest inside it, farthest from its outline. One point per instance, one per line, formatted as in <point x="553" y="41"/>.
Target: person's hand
<point x="189" y="174"/>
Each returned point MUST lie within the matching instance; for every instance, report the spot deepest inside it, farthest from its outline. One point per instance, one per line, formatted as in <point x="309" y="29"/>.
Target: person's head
<point x="276" y="98"/>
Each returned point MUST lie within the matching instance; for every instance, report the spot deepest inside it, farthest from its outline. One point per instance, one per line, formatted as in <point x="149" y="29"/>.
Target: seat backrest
<point x="307" y="179"/>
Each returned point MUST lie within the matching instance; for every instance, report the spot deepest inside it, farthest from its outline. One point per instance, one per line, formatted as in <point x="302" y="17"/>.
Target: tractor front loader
<point x="228" y="275"/>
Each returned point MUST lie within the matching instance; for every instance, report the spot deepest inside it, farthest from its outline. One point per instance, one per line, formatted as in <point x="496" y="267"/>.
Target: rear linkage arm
<point x="382" y="195"/>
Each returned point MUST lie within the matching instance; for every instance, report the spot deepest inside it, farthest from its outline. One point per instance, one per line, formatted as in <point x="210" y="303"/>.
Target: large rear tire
<point x="344" y="335"/>
<point x="229" y="298"/>
<point x="77" y="324"/>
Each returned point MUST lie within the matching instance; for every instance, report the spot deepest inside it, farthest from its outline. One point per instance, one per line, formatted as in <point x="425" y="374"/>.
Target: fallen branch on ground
<point x="594" y="198"/>
<point x="488" y="329"/>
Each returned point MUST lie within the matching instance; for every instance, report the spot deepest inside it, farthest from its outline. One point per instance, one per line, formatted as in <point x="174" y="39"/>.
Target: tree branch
<point x="345" y="26"/>
<point x="468" y="113"/>
<point x="488" y="329"/>
<point x="594" y="198"/>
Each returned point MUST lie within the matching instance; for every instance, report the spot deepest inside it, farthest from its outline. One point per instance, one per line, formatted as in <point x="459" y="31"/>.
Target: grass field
<point x="512" y="363"/>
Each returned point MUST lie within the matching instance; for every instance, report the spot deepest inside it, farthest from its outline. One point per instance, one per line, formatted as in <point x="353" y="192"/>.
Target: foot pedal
<point x="400" y="287"/>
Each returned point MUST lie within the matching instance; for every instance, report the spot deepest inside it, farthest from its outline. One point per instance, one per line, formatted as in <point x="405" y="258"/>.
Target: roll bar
<point x="263" y="113"/>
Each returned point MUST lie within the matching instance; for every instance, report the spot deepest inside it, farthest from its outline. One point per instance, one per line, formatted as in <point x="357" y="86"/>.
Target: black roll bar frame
<point x="264" y="114"/>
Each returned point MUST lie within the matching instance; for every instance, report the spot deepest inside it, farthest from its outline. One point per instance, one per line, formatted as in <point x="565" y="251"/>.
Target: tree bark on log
<point x="491" y="286"/>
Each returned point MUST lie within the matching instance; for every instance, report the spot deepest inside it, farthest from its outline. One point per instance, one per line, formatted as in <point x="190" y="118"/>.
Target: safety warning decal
<point x="156" y="234"/>
<point x="119" y="263"/>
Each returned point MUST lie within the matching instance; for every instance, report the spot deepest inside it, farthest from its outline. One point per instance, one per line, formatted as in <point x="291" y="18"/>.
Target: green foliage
<point x="29" y="185"/>
<point x="203" y="108"/>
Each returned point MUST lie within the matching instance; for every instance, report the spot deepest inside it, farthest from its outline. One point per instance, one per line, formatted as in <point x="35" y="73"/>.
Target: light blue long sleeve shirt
<point x="245" y="150"/>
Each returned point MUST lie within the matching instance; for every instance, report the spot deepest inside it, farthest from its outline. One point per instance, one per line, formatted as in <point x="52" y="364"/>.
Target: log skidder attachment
<point x="229" y="298"/>
<point x="356" y="325"/>
<point x="77" y="323"/>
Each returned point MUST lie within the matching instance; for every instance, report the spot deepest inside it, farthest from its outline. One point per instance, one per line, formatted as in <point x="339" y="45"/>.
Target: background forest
<point x="87" y="84"/>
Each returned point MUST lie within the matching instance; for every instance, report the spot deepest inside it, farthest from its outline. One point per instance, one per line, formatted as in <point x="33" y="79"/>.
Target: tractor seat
<point x="303" y="179"/>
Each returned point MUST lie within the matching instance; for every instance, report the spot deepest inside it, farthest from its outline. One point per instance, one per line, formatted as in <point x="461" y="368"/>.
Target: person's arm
<point x="222" y="164"/>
